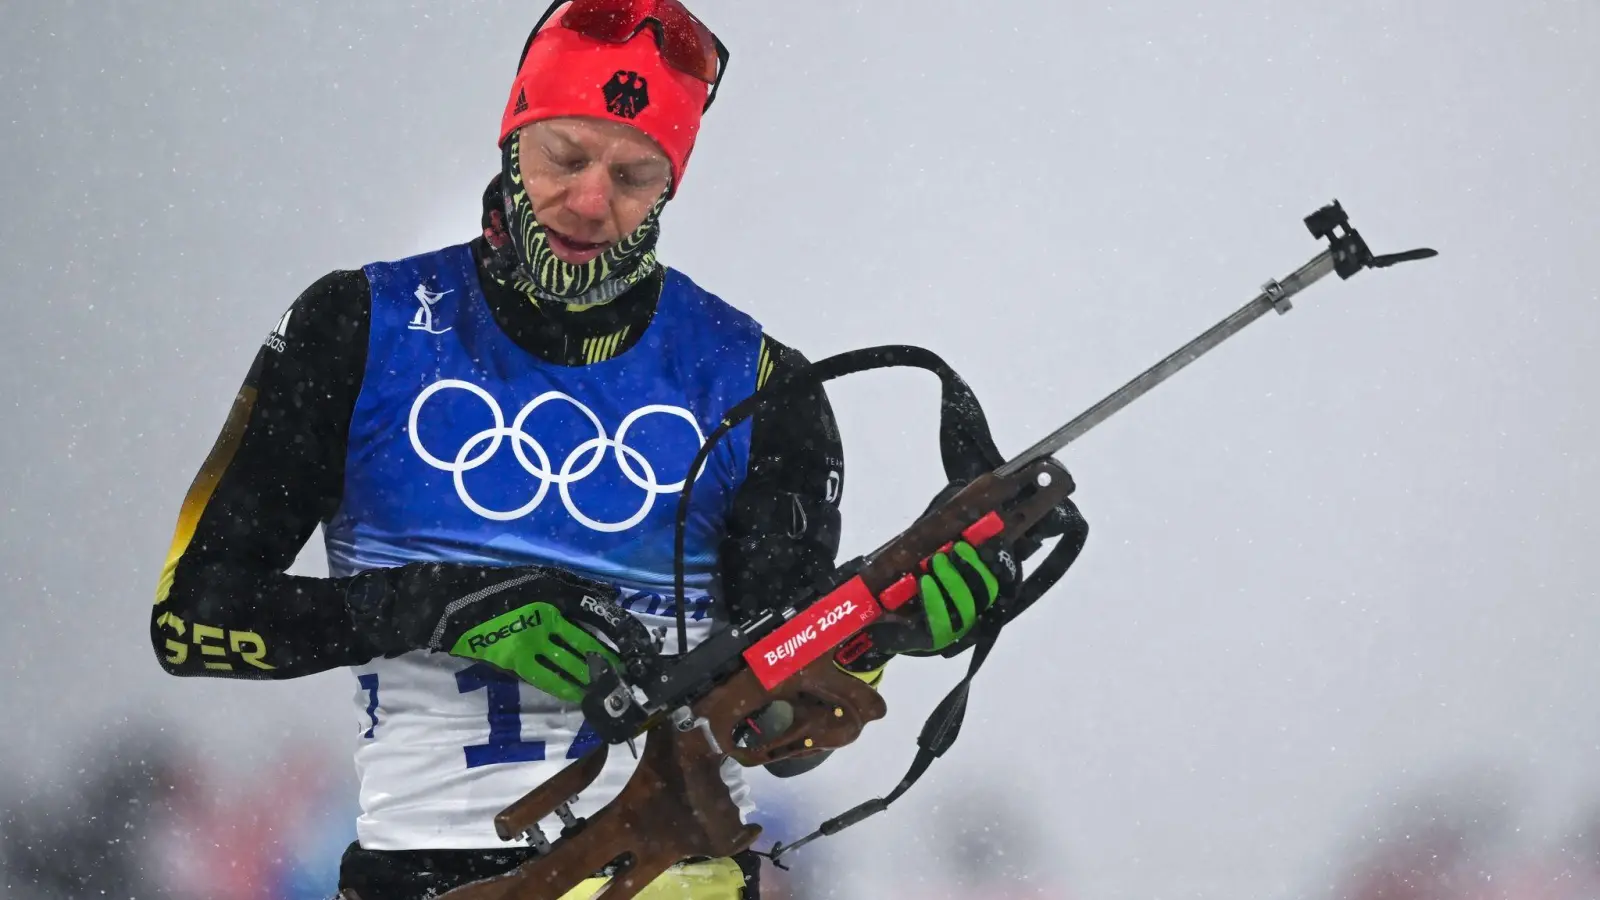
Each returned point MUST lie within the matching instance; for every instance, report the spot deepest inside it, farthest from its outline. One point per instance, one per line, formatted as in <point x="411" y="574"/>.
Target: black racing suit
<point x="226" y="607"/>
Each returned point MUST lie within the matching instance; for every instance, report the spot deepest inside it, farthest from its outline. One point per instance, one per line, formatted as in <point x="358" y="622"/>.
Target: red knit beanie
<point x="569" y="74"/>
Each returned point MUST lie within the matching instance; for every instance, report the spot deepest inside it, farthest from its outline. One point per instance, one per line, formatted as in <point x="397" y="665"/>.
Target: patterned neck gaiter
<point x="541" y="274"/>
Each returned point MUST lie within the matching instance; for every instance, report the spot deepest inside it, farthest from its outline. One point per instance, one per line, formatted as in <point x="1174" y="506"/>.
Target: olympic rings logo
<point x="588" y="455"/>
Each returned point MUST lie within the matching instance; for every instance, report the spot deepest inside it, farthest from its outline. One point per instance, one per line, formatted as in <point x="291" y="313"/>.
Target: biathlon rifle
<point x="771" y="688"/>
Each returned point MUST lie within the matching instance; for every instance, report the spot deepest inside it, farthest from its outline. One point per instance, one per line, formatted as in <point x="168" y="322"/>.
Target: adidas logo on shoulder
<point x="275" y="340"/>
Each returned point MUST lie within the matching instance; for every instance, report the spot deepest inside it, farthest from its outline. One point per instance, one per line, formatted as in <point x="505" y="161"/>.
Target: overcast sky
<point x="1350" y="552"/>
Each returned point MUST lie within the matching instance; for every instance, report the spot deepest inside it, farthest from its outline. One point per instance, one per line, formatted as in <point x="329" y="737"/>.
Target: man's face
<point x="591" y="182"/>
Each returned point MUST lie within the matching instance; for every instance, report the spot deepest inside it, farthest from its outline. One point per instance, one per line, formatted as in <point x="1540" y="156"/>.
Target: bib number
<point x="505" y="721"/>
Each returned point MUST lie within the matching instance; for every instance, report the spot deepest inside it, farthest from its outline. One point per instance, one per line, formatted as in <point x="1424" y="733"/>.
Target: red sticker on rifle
<point x="810" y="635"/>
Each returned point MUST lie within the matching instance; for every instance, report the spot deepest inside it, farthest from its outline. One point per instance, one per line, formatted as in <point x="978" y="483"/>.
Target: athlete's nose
<point x="589" y="200"/>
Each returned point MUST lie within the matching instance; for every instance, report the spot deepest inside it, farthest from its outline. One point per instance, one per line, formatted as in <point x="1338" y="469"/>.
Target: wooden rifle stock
<point x="676" y="806"/>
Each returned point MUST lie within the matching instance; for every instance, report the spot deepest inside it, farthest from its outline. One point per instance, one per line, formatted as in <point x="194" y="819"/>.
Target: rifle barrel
<point x="1274" y="295"/>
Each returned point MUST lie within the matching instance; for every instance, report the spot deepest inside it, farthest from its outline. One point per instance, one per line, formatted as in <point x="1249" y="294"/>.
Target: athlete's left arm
<point x="783" y="535"/>
<point x="784" y="530"/>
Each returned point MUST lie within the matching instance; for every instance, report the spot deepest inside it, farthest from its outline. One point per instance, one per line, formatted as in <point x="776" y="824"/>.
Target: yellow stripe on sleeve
<point x="763" y="365"/>
<point x="205" y="484"/>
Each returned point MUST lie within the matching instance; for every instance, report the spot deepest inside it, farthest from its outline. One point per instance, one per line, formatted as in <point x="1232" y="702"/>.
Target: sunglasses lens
<point x="614" y="21"/>
<point x="686" y="44"/>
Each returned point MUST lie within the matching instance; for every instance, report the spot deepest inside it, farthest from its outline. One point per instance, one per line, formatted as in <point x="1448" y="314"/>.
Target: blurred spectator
<point x="92" y="838"/>
<point x="146" y="822"/>
<point x="1439" y="845"/>
<point x="990" y="847"/>
<point x="1568" y="871"/>
<point x="277" y="837"/>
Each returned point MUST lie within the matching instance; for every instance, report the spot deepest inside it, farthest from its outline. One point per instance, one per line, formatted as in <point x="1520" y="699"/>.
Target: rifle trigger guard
<point x="685" y="720"/>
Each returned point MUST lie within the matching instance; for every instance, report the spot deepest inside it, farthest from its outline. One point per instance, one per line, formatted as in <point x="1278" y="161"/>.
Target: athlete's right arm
<point x="225" y="606"/>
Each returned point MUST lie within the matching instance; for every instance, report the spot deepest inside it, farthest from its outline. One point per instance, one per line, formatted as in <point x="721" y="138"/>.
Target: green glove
<point x="536" y="622"/>
<point x="539" y="645"/>
<point x="958" y="586"/>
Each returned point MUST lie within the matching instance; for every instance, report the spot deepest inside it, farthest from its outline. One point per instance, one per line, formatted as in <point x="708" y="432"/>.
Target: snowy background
<point x="1334" y="631"/>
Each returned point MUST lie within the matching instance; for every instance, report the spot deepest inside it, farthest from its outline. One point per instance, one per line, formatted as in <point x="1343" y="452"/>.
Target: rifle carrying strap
<point x="967" y="450"/>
